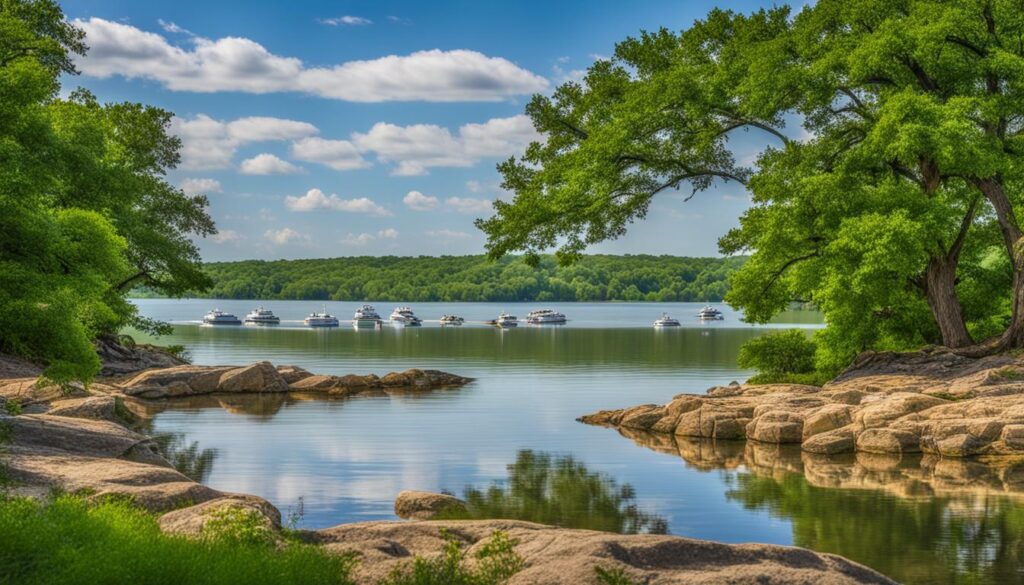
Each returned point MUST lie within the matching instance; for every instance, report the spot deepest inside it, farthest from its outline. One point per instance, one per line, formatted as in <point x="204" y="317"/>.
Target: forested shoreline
<point x="472" y="278"/>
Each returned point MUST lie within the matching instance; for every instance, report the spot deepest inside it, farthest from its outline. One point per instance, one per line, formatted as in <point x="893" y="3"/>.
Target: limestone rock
<point x="258" y="377"/>
<point x="192" y="520"/>
<point x="416" y="505"/>
<point x="105" y="407"/>
<point x="567" y="556"/>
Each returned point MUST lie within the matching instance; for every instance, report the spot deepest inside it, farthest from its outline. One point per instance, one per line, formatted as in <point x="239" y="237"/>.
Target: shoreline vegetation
<point x="475" y="278"/>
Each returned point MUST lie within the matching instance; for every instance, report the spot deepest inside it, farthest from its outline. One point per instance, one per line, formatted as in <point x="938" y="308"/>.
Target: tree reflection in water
<point x="559" y="490"/>
<point x="187" y="458"/>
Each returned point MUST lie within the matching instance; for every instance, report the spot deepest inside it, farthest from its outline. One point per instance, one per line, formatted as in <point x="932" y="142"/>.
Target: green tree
<point x="912" y="115"/>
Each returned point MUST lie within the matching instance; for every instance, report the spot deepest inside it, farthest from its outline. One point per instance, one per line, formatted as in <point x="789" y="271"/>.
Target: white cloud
<point x="240" y="64"/>
<point x="315" y="199"/>
<point x="419" y="202"/>
<point x="340" y="155"/>
<point x="285" y="236"/>
<point x="389" y="233"/>
<point x="447" y="234"/>
<point x="201" y="186"/>
<point x="469" y="204"/>
<point x="347" y="21"/>
<point x="226" y="236"/>
<point x="268" y="164"/>
<point x="418" y="147"/>
<point x="174" y="28"/>
<point x="357" y="240"/>
<point x="211" y="144"/>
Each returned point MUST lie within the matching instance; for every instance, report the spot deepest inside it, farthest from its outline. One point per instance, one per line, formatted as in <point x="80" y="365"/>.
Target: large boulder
<point x="563" y="556"/>
<point x="416" y="505"/>
<point x="104" y="407"/>
<point x="192" y="520"/>
<point x="258" y="377"/>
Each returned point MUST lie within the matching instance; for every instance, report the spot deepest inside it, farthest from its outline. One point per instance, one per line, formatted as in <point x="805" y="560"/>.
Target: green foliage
<point x="178" y="351"/>
<point x="559" y="490"/>
<point x="86" y="210"/>
<point x="613" y="576"/>
<point x="12" y="407"/>
<point x="495" y="562"/>
<point x="474" y="278"/>
<point x="778" y="355"/>
<point x="881" y="215"/>
<point x="239" y="526"/>
<point x="67" y="541"/>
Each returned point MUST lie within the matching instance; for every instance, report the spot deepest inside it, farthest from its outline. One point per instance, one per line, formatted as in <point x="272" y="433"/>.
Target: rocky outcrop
<point x="192" y="521"/>
<point x="118" y="359"/>
<point x="263" y="377"/>
<point x="562" y="556"/>
<point x="935" y="403"/>
<point x="415" y="505"/>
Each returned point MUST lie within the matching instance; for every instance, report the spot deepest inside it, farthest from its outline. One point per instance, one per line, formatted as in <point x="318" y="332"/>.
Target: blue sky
<point x="322" y="129"/>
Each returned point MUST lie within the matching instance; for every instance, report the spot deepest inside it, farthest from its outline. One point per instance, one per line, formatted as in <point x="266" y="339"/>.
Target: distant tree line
<point x="473" y="278"/>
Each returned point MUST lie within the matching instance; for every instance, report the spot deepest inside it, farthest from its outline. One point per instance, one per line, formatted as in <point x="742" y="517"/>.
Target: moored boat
<point x="321" y="319"/>
<point x="366" y="316"/>
<point x="261" y="316"/>
<point x="218" y="317"/>
<point x="405" y="316"/>
<point x="545" y="317"/>
<point x="709" y="313"/>
<point x="505" y="320"/>
<point x="451" y="320"/>
<point x="666" y="321"/>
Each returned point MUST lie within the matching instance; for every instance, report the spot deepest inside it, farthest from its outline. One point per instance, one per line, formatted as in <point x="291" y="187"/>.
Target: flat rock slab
<point x="567" y="556"/>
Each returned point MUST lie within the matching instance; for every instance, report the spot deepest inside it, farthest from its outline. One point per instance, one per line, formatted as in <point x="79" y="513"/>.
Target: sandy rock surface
<point x="936" y="403"/>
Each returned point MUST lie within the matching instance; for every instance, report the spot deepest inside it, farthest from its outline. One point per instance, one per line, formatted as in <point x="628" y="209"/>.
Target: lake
<point x="346" y="460"/>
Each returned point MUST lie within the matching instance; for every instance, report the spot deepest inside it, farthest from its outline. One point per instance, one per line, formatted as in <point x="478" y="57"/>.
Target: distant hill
<point x="474" y="278"/>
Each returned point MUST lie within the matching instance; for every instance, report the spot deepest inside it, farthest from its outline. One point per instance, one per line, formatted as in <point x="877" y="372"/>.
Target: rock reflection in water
<point x="953" y="520"/>
<point x="184" y="456"/>
<point x="561" y="491"/>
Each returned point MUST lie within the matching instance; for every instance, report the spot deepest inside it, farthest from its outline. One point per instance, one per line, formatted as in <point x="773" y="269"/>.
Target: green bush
<point x="68" y="541"/>
<point x="12" y="407"/>
<point x="496" y="562"/>
<point x="782" y="356"/>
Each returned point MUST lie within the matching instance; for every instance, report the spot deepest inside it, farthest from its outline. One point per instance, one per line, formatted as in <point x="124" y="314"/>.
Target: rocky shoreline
<point x="935" y="403"/>
<point x="82" y="444"/>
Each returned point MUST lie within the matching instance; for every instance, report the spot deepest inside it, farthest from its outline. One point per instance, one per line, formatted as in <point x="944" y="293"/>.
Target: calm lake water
<point x="346" y="460"/>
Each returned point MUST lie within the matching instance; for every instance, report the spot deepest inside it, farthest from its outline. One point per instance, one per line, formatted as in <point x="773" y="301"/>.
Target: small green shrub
<point x="1010" y="374"/>
<point x="179" y="352"/>
<point x="496" y="562"/>
<point x="613" y="576"/>
<point x="240" y="526"/>
<point x="12" y="407"/>
<point x="779" y="356"/>
<point x="68" y="541"/>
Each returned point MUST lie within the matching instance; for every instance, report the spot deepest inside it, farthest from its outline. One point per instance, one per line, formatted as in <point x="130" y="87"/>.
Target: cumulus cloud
<point x="447" y="234"/>
<point x="416" y="148"/>
<point x="469" y="204"/>
<point x="365" y="238"/>
<point x="419" y="202"/>
<point x="315" y="199"/>
<point x="226" y="236"/>
<point x="241" y="64"/>
<point x="211" y="144"/>
<point x="201" y="186"/>
<point x="347" y="21"/>
<point x="285" y="236"/>
<point x="268" y="164"/>
<point x="340" y="155"/>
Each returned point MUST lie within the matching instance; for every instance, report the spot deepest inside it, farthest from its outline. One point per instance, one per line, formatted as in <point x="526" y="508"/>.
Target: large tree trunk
<point x="1013" y="337"/>
<point x="940" y="289"/>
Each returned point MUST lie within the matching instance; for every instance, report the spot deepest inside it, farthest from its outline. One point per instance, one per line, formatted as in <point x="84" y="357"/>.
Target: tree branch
<point x="778" y="273"/>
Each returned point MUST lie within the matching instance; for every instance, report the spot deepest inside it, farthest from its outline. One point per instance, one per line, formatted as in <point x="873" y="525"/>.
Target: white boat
<point x="366" y="316"/>
<point x="261" y="316"/>
<point x="506" y="320"/>
<point x="709" y="313"/>
<point x="405" y="316"/>
<point x="666" y="321"/>
<point x="451" y="320"/>
<point x="322" y="319"/>
<point x="545" y="317"/>
<point x="218" y="317"/>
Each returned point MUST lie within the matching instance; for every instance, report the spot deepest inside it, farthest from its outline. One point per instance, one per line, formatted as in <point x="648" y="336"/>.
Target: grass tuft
<point x="496" y="562"/>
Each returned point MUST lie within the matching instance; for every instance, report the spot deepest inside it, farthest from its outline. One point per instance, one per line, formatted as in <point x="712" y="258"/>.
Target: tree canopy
<point x="472" y="278"/>
<point x="893" y="208"/>
<point x="85" y="210"/>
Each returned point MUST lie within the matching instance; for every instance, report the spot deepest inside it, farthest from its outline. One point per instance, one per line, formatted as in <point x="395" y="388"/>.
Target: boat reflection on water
<point x="954" y="520"/>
